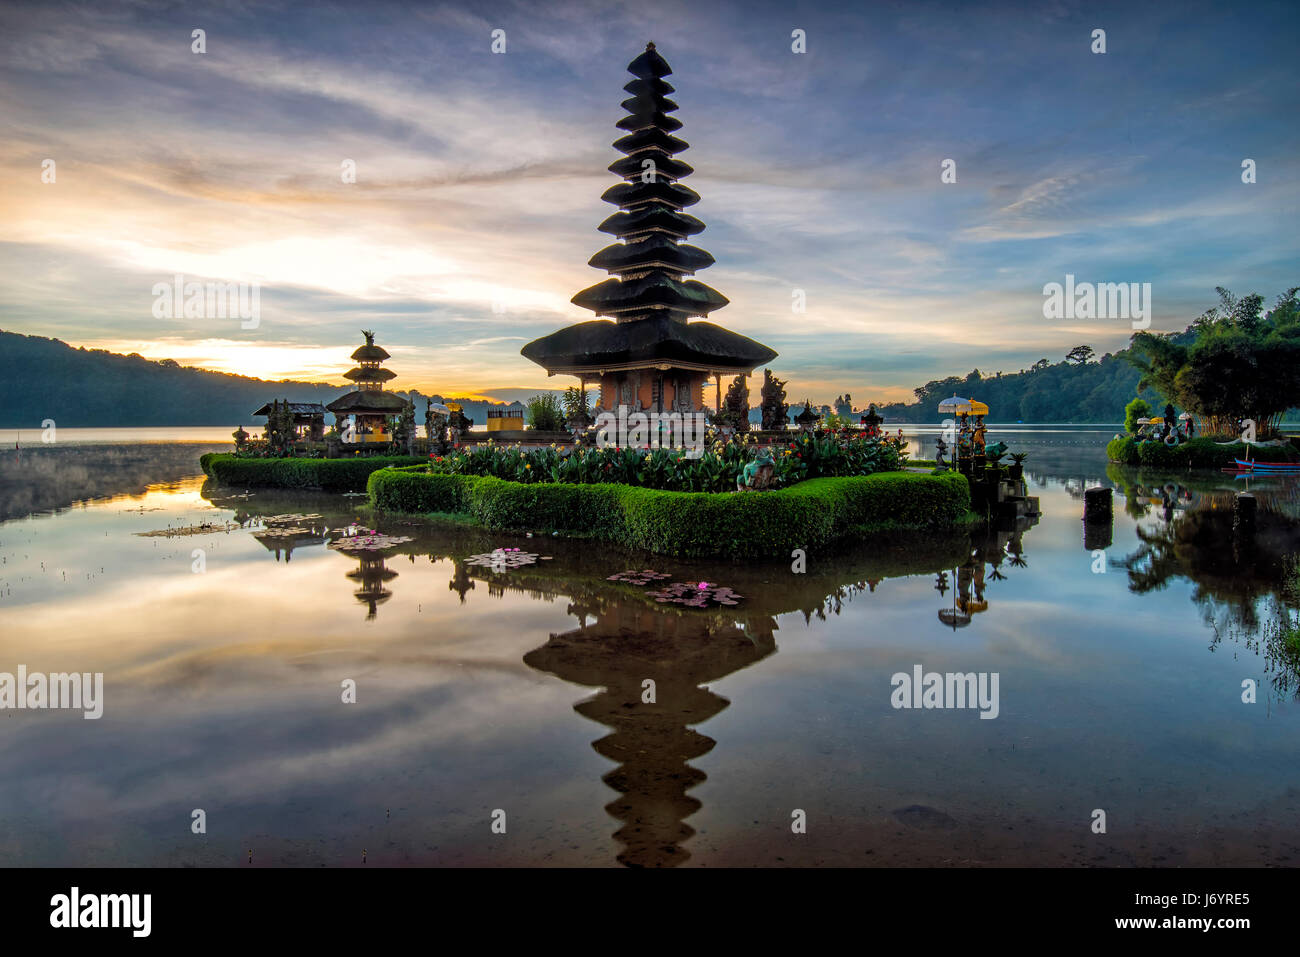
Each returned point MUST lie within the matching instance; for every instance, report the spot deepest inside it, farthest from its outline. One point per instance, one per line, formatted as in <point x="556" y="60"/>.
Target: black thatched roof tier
<point x="651" y="218"/>
<point x="648" y="87"/>
<point x="367" y="400"/>
<point x="649" y="65"/>
<point x="631" y="195"/>
<point x="650" y="138"/>
<point x="644" y="120"/>
<point x="656" y="251"/>
<point x="370" y="353"/>
<point x="369" y="375"/>
<point x="297" y="408"/>
<point x="647" y="295"/>
<point x="649" y="103"/>
<point x="631" y="167"/>
<point x="602" y="344"/>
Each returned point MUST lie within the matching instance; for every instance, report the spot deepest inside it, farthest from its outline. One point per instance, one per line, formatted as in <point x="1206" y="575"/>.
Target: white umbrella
<point x="439" y="408"/>
<point x="1144" y="421"/>
<point x="1185" y="416"/>
<point x="955" y="404"/>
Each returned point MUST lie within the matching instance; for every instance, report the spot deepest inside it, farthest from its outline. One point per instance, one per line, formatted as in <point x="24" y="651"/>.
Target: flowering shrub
<point x="806" y="456"/>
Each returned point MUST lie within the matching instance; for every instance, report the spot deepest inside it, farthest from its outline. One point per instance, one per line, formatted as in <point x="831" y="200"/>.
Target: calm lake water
<point x="518" y="694"/>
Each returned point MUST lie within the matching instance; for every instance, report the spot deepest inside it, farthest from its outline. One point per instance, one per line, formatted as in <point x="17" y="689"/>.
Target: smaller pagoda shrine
<point x="369" y="407"/>
<point x="308" y="419"/>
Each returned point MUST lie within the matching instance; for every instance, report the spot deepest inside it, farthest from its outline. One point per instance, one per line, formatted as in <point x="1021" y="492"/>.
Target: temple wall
<point x="697" y="389"/>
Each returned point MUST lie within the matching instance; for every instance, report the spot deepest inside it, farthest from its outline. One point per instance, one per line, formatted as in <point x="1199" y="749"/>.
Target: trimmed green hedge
<point x="334" y="475"/>
<point x="695" y="524"/>
<point x="1202" y="453"/>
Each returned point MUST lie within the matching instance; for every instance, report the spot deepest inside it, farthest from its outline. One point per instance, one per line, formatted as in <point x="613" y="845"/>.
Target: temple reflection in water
<point x="650" y="668"/>
<point x="371" y="574"/>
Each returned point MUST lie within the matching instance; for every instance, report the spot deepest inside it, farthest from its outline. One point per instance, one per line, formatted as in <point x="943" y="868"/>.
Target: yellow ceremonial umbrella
<point x="978" y="408"/>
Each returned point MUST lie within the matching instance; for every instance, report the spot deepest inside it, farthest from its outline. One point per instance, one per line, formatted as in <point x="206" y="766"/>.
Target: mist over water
<point x="42" y="478"/>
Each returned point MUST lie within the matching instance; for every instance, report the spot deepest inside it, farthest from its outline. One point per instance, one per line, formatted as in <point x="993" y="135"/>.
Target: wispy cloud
<point x="478" y="175"/>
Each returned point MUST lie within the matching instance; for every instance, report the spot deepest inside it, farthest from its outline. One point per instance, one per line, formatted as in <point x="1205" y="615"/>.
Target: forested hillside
<point x="82" y="388"/>
<point x="85" y="388"/>
<point x="1078" y="389"/>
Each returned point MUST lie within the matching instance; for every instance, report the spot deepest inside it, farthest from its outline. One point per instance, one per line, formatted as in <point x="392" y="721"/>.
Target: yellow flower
<point x="527" y="466"/>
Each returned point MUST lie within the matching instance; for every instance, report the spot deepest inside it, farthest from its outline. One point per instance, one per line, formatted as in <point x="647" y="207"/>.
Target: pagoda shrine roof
<point x="368" y="400"/>
<point x="369" y="375"/>
<point x="655" y="250"/>
<point x="648" y="294"/>
<point x="627" y="195"/>
<point x="652" y="217"/>
<point x="649" y="65"/>
<point x="370" y="353"/>
<point x="297" y="408"/>
<point x="601" y="344"/>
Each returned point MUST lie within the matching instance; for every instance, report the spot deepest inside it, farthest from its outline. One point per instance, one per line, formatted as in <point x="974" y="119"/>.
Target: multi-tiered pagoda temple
<point x="651" y="357"/>
<point x="370" y="405"/>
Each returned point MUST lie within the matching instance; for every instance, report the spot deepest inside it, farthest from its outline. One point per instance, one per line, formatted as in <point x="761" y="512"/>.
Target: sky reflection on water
<point x="522" y="691"/>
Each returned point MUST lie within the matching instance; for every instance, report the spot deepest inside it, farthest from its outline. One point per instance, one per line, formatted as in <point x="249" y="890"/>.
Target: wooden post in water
<point x="1098" y="521"/>
<point x="1097" y="504"/>
<point x="1243" y="513"/>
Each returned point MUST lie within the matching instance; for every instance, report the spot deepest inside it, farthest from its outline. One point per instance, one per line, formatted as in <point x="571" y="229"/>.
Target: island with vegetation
<point x="1228" y="380"/>
<point x="823" y="488"/>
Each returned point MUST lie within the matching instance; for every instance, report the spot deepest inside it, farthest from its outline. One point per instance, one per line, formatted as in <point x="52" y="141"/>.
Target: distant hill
<point x="44" y="378"/>
<point x="1093" y="391"/>
<point x="86" y="388"/>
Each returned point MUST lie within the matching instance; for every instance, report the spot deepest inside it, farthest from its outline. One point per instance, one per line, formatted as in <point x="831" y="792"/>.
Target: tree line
<point x="43" y="378"/>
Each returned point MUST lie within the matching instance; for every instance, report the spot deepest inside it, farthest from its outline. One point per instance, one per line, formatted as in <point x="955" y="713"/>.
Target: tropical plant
<point x="1233" y="363"/>
<point x="543" y="413"/>
<point x="1139" y="408"/>
<point x="835" y="421"/>
<point x="577" y="408"/>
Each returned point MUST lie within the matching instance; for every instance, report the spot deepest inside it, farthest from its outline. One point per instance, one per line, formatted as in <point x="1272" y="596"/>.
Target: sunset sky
<point x="479" y="175"/>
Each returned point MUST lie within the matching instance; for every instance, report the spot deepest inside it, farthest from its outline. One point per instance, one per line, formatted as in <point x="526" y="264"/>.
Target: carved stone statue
<point x="628" y="391"/>
<point x="435" y="428"/>
<point x="682" y="401"/>
<point x="757" y="473"/>
<point x="871" y="421"/>
<point x="734" y="413"/>
<point x="774" y="407"/>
